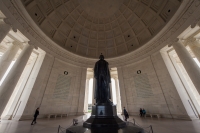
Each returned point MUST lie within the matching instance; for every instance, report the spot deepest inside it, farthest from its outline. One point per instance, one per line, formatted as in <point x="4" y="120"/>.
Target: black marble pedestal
<point x="104" y="116"/>
<point x="130" y="128"/>
<point x="104" y="119"/>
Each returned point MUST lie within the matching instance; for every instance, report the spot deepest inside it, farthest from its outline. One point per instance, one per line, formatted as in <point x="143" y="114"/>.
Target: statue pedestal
<point x="104" y="115"/>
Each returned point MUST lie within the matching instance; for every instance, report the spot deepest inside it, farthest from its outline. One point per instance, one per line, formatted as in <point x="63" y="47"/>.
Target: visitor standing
<point x="35" y="116"/>
<point x="144" y="112"/>
<point x="126" y="114"/>
<point x="141" y="112"/>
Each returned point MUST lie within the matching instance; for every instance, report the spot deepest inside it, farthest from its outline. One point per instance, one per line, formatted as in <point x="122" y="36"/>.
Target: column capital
<point x="17" y="43"/>
<point x="194" y="42"/>
<point x="14" y="43"/>
<point x="183" y="42"/>
<point x="197" y="42"/>
<point x="9" y="43"/>
<point x="191" y="41"/>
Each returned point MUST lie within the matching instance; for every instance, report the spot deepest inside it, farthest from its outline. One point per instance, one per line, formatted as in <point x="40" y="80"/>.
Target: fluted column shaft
<point x="7" y="58"/>
<point x="13" y="76"/>
<point x="86" y="95"/>
<point x="93" y="91"/>
<point x="189" y="64"/>
<point x="117" y="95"/>
<point x="195" y="49"/>
<point x="4" y="29"/>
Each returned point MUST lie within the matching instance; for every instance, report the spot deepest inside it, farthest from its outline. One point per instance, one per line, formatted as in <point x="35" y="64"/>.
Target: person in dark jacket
<point x="126" y="114"/>
<point x="141" y="112"/>
<point x="144" y="112"/>
<point x="35" y="116"/>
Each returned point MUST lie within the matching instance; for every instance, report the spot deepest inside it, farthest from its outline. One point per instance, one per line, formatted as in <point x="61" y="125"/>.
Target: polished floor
<point x="51" y="125"/>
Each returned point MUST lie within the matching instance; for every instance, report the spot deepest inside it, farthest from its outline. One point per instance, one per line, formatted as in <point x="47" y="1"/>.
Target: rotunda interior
<point x="48" y="49"/>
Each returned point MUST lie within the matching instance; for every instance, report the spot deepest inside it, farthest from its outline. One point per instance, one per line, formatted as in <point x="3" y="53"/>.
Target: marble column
<point x="119" y="109"/>
<point x="93" y="91"/>
<point x="7" y="58"/>
<point x="181" y="105"/>
<point x="189" y="64"/>
<point x="122" y="88"/>
<point x="13" y="76"/>
<point x="195" y="49"/>
<point x="4" y="29"/>
<point x="82" y="92"/>
<point x="86" y="95"/>
<point x="111" y="91"/>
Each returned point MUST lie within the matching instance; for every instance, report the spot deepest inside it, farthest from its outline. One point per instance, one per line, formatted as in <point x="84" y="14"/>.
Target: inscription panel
<point x="142" y="85"/>
<point x="62" y="88"/>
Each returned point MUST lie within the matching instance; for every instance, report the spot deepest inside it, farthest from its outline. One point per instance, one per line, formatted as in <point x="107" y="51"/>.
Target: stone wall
<point x="55" y="92"/>
<point x="147" y="84"/>
<point x="143" y="84"/>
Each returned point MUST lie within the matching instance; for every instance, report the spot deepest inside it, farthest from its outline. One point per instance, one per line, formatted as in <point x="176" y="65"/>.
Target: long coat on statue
<point x="102" y="81"/>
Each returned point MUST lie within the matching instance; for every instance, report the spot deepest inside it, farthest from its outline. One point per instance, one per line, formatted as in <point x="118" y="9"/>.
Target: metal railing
<point x="148" y="129"/>
<point x="75" y="122"/>
<point x="61" y="129"/>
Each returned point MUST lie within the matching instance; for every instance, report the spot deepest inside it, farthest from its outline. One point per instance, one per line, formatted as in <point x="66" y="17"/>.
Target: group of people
<point x="142" y="112"/>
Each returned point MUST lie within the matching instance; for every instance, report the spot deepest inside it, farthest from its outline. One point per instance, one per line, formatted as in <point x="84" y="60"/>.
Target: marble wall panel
<point x="151" y="88"/>
<point x="59" y="93"/>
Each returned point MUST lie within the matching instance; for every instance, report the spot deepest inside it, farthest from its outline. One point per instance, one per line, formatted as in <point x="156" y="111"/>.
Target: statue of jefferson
<point x="102" y="78"/>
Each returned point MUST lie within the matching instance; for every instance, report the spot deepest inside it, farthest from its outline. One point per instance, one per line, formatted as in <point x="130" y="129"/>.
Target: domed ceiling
<point x="91" y="27"/>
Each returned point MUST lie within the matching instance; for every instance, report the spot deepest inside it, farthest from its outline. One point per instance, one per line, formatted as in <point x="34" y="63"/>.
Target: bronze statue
<point x="104" y="112"/>
<point x="102" y="84"/>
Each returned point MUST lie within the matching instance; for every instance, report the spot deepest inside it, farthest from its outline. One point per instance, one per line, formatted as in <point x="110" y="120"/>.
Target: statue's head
<point x="101" y="57"/>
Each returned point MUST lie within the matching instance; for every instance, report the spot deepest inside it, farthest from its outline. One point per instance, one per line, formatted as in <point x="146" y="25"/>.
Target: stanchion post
<point x="58" y="128"/>
<point x="134" y="121"/>
<point x="151" y="128"/>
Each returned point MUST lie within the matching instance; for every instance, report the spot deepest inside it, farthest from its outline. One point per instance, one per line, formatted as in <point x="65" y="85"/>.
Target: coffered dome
<point x="91" y="27"/>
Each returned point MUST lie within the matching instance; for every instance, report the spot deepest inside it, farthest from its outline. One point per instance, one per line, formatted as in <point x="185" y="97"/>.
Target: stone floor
<point x="51" y="125"/>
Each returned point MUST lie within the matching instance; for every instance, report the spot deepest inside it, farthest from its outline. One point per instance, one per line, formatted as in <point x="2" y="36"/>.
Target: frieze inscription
<point x="142" y="85"/>
<point x="62" y="88"/>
